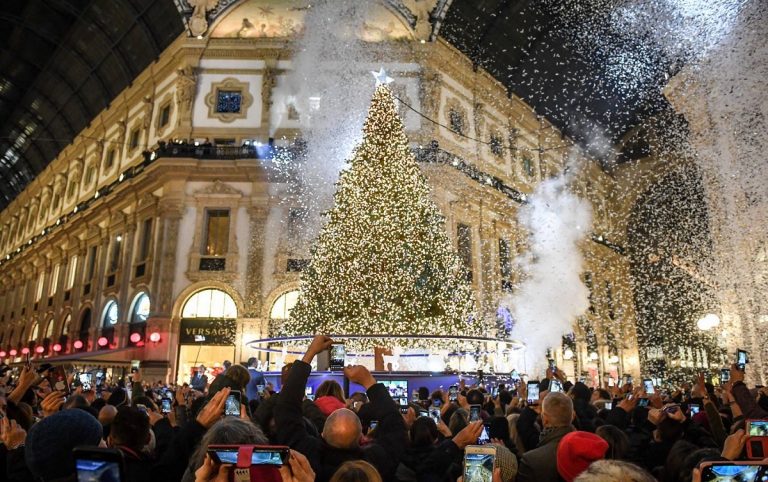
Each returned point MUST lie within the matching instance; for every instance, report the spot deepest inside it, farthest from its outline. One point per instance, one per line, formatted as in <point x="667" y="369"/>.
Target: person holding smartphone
<point x="742" y="397"/>
<point x="342" y="430"/>
<point x="556" y="417"/>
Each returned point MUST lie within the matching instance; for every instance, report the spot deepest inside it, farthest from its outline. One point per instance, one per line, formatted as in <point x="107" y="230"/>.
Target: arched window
<point x="48" y="329"/>
<point x="34" y="332"/>
<point x="110" y="314"/>
<point x="209" y="303"/>
<point x="65" y="325"/>
<point x="281" y="308"/>
<point x="141" y="306"/>
<point x="85" y="324"/>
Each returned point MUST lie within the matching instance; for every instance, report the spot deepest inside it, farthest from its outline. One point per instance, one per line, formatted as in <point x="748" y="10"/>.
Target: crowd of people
<point x="576" y="433"/>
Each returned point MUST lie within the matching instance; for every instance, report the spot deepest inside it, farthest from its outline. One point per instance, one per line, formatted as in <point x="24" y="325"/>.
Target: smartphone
<point x="423" y="413"/>
<point x="479" y="461"/>
<point x="609" y="405"/>
<point x="648" y="386"/>
<point x="267" y="455"/>
<point x="725" y="375"/>
<point x="403" y="409"/>
<point x="484" y="438"/>
<point x="372" y="425"/>
<point x="533" y="393"/>
<point x="643" y="402"/>
<point x="232" y="405"/>
<point x="757" y="428"/>
<point x="694" y="408"/>
<point x="58" y="379"/>
<point x="741" y="359"/>
<point x="94" y="464"/>
<point x="307" y="389"/>
<point x="555" y="386"/>
<point x="453" y="393"/>
<point x="338" y="357"/>
<point x="166" y="405"/>
<point x="415" y="396"/>
<point x="260" y="389"/>
<point x="611" y="382"/>
<point x="437" y="403"/>
<point x="434" y="414"/>
<point x="627" y="379"/>
<point x="741" y="471"/>
<point x="310" y="397"/>
<point x="474" y="413"/>
<point x="552" y="366"/>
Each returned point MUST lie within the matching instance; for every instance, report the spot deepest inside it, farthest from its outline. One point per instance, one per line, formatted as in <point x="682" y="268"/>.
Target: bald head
<point x="342" y="429"/>
<point x="557" y="410"/>
<point x="107" y="414"/>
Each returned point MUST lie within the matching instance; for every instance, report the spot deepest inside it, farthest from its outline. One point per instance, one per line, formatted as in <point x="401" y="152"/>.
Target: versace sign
<point x="208" y="332"/>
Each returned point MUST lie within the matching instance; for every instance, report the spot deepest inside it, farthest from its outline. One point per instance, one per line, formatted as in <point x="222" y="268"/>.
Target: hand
<point x="469" y="434"/>
<point x="210" y="471"/>
<point x="655" y="401"/>
<point x="52" y="403"/>
<point x="319" y="344"/>
<point x="297" y="469"/>
<point x="734" y="445"/>
<point x="360" y="375"/>
<point x="212" y="412"/>
<point x="11" y="434"/>
<point x="462" y="401"/>
<point x="736" y="374"/>
<point x="655" y="416"/>
<point x="409" y="417"/>
<point x="244" y="412"/>
<point x="154" y="417"/>
<point x="443" y="429"/>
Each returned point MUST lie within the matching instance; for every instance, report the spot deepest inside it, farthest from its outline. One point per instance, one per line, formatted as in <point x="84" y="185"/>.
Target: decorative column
<point x="171" y="212"/>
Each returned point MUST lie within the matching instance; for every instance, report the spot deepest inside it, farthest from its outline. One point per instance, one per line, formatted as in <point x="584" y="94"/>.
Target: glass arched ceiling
<point x="209" y="303"/>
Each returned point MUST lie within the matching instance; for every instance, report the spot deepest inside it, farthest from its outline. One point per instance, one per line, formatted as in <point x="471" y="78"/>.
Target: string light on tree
<point x="383" y="263"/>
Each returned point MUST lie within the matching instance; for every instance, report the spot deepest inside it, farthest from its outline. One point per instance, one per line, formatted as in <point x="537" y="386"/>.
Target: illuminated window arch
<point x="210" y="303"/>
<point x="34" y="332"/>
<point x="281" y="308"/>
<point x="49" y="329"/>
<point x="141" y="306"/>
<point x="65" y="324"/>
<point x="110" y="314"/>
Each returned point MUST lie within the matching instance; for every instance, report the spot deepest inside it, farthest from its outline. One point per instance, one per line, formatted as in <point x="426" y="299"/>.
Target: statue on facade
<point x="198" y="23"/>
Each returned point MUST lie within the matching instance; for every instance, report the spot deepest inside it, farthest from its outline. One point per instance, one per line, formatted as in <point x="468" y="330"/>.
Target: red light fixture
<point x="57" y="348"/>
<point x="13" y="352"/>
<point x="78" y="344"/>
<point x="25" y="351"/>
<point x="102" y="342"/>
<point x="135" y="337"/>
<point x="154" y="337"/>
<point x="2" y="354"/>
<point x="39" y="350"/>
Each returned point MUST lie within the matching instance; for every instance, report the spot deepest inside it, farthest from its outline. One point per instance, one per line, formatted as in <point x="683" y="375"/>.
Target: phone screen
<point x="741" y="359"/>
<point x="628" y="379"/>
<point x="643" y="402"/>
<point x="232" y="405"/>
<point x="58" y="379"/>
<point x="423" y="413"/>
<point x="484" y="438"/>
<point x="727" y="472"/>
<point x="478" y="466"/>
<point x="258" y="457"/>
<point x="555" y="386"/>
<point x="372" y="425"/>
<point x="403" y="409"/>
<point x="97" y="471"/>
<point x="648" y="386"/>
<point x="608" y="405"/>
<point x="552" y="365"/>
<point x="533" y="393"/>
<point x="725" y="375"/>
<point x="165" y="405"/>
<point x="758" y="428"/>
<point x="695" y="408"/>
<point x="338" y="356"/>
<point x="474" y="413"/>
<point x="434" y="414"/>
<point x="453" y="393"/>
<point x="611" y="382"/>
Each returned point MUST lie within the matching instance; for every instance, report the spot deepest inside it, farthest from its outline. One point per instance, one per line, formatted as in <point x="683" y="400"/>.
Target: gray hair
<point x="228" y="431"/>
<point x="614" y="471"/>
<point x="559" y="409"/>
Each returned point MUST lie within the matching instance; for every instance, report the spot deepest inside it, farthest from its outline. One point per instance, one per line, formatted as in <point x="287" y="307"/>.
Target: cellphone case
<point x="244" y="471"/>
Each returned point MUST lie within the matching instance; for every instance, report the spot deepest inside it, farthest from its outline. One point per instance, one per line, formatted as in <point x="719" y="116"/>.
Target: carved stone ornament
<point x="229" y="84"/>
<point x="218" y="188"/>
<point x="198" y="23"/>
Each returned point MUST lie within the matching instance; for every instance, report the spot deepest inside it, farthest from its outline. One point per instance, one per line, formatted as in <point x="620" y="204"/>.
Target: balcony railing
<point x="205" y="151"/>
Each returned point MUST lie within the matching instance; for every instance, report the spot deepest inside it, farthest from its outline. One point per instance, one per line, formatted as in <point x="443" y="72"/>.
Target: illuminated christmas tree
<point x="383" y="263"/>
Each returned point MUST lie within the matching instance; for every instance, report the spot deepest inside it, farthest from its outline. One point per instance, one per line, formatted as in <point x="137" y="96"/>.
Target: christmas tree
<point x="383" y="263"/>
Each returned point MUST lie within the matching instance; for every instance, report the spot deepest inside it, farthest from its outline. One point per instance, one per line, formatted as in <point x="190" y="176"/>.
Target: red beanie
<point x="576" y="451"/>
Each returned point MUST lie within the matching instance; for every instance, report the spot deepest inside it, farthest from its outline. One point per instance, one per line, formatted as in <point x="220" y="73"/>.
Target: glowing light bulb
<point x="102" y="341"/>
<point x="78" y="344"/>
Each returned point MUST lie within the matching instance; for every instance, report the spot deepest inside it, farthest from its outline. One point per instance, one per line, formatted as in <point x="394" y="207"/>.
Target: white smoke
<point x="552" y="294"/>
